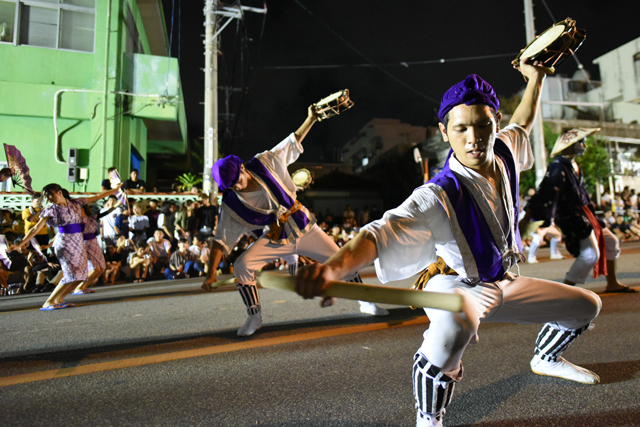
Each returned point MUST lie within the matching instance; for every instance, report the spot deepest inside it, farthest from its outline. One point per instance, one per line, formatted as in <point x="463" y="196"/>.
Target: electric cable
<point x="366" y="58"/>
<point x="404" y="64"/>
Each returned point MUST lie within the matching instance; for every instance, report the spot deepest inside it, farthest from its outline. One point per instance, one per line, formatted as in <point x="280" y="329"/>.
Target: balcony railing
<point x="20" y="201"/>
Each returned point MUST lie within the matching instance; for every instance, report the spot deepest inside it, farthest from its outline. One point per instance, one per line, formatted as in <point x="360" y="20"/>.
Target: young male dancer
<point x="562" y="198"/>
<point x="261" y="194"/>
<point x="465" y="221"/>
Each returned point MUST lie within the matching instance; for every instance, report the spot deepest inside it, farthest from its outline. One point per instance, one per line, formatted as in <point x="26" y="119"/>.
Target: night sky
<point x="337" y="41"/>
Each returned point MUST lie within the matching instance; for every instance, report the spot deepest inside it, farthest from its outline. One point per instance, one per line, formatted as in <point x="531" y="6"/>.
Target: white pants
<point x="589" y="255"/>
<point x="315" y="244"/>
<point x="524" y="300"/>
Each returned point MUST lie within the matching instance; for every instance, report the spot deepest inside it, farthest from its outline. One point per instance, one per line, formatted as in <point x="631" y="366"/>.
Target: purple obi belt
<point x="89" y="236"/>
<point x="71" y="228"/>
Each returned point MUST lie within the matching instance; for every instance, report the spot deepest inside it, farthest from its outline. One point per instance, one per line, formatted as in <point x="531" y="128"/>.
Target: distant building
<point x="57" y="57"/>
<point x="612" y="104"/>
<point x="378" y="137"/>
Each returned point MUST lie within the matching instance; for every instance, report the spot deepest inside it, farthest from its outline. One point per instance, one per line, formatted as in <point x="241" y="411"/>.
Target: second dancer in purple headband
<point x="65" y="215"/>
<point x="260" y="196"/>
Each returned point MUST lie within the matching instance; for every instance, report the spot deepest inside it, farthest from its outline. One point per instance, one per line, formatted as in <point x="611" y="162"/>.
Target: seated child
<point x="160" y="250"/>
<point x="140" y="264"/>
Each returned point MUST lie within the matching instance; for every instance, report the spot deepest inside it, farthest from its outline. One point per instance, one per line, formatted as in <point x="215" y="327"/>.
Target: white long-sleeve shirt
<point x="411" y="236"/>
<point x="230" y="226"/>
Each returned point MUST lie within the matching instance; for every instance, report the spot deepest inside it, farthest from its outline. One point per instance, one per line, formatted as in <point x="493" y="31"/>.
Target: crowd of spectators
<point x="144" y="240"/>
<point x="139" y="240"/>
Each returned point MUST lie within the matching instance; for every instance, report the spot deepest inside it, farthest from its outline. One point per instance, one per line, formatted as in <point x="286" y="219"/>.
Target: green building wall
<point x="30" y="78"/>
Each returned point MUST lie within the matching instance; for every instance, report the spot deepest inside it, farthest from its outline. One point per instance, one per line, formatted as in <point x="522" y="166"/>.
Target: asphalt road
<point x="167" y="354"/>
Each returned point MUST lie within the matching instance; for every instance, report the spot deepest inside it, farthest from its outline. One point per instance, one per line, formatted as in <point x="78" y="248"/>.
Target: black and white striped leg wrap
<point x="250" y="297"/>
<point x="293" y="269"/>
<point x="356" y="279"/>
<point x="552" y="341"/>
<point x="432" y="389"/>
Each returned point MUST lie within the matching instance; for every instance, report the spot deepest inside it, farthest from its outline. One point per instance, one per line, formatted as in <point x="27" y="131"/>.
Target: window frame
<point x="59" y="7"/>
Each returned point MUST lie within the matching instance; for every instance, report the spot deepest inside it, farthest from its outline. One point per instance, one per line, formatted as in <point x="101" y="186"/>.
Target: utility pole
<point x="211" y="10"/>
<point x="537" y="134"/>
<point x="210" y="99"/>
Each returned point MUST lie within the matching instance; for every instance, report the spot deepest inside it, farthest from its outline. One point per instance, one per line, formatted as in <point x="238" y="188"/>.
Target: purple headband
<point x="472" y="90"/>
<point x="226" y="171"/>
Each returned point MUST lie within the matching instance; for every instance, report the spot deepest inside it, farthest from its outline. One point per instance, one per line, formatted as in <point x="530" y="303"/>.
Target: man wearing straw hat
<point x="562" y="198"/>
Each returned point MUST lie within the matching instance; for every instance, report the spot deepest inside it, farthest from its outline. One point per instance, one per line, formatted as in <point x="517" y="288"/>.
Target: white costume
<point x="410" y="237"/>
<point x="309" y="241"/>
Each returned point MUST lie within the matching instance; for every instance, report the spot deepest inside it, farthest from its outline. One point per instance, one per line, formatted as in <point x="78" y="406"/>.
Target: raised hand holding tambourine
<point x="332" y="105"/>
<point x="553" y="46"/>
<point x="302" y="178"/>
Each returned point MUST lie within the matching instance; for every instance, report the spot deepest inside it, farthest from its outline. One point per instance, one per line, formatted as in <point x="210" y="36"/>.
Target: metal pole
<point x="210" y="99"/>
<point x="105" y="95"/>
<point x="537" y="134"/>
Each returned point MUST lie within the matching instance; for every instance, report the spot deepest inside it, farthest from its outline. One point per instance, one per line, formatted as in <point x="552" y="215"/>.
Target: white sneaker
<point x="253" y="323"/>
<point x="556" y="255"/>
<point x="564" y="369"/>
<point x="430" y="420"/>
<point x="532" y="259"/>
<point x="372" y="309"/>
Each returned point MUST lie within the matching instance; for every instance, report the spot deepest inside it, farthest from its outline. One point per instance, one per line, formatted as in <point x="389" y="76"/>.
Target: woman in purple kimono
<point x="64" y="214"/>
<point x="95" y="257"/>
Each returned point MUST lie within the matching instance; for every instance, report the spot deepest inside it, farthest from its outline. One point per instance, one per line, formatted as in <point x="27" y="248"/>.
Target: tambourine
<point x="333" y="105"/>
<point x="554" y="45"/>
<point x="302" y="178"/>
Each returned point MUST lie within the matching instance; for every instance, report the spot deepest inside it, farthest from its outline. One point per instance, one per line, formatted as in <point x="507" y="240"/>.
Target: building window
<point x="636" y="64"/>
<point x="134" y="45"/>
<point x="55" y="24"/>
<point x="7" y="21"/>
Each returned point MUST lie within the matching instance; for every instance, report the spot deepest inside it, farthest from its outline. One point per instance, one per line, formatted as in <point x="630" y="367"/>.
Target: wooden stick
<point x="221" y="283"/>
<point x="372" y="293"/>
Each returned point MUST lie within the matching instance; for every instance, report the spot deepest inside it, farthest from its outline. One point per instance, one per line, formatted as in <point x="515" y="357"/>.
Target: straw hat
<point x="570" y="137"/>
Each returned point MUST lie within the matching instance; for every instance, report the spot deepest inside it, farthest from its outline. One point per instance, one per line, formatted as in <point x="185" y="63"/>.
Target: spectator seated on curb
<point x="125" y="247"/>
<point x="622" y="229"/>
<point x="113" y="262"/>
<point x="43" y="272"/>
<point x="201" y="252"/>
<point x="138" y="226"/>
<point x="18" y="274"/>
<point x="182" y="263"/>
<point x="9" y="226"/>
<point x="140" y="264"/>
<point x="160" y="249"/>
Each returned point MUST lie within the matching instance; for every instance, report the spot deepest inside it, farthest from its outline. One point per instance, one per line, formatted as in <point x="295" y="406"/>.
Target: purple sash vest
<point x="472" y="222"/>
<point x="258" y="219"/>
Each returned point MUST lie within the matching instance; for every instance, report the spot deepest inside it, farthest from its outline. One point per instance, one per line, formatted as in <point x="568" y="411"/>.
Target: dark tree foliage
<point x="595" y="163"/>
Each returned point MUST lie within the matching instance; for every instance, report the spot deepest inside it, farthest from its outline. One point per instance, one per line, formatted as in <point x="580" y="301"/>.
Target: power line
<point x="404" y="64"/>
<point x="369" y="61"/>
